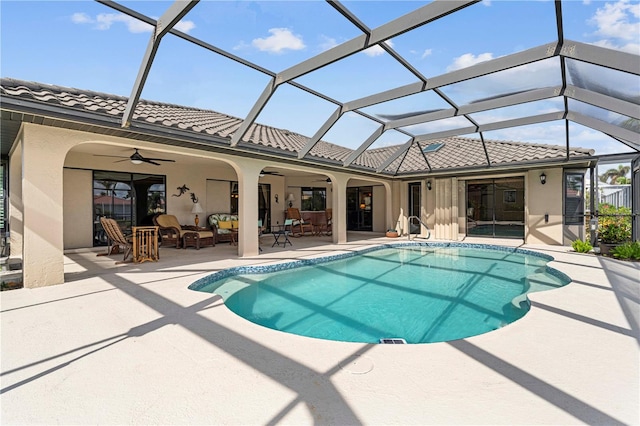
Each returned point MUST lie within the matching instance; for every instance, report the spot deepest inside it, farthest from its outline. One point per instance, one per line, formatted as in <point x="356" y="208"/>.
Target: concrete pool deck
<point x="130" y="344"/>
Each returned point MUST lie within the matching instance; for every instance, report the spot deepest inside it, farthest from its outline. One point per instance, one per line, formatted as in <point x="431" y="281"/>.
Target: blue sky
<point x="86" y="45"/>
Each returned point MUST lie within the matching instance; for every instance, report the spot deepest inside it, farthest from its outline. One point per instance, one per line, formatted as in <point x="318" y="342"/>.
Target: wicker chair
<point x="298" y="222"/>
<point x="172" y="232"/>
<point x="117" y="240"/>
<point x="222" y="234"/>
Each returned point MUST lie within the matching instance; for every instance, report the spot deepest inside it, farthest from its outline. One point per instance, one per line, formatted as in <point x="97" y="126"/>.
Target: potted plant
<point x="614" y="227"/>
<point x="392" y="233"/>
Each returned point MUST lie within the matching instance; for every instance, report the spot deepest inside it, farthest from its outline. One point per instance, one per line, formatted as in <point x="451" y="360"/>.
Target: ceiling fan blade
<point x="150" y="161"/>
<point x="112" y="156"/>
<point x="160" y="159"/>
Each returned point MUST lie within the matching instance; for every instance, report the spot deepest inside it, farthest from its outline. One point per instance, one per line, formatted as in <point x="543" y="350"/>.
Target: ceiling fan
<point x="327" y="181"/>
<point x="137" y="158"/>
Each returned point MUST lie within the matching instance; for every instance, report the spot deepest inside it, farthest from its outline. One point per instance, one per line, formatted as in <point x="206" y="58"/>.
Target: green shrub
<point x="581" y="246"/>
<point x="614" y="224"/>
<point x="627" y="251"/>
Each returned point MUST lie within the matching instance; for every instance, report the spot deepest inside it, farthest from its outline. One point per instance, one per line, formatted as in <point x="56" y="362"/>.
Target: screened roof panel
<point x="607" y="116"/>
<point x="407" y="106"/>
<point x="358" y="75"/>
<point x="505" y="27"/>
<point x="351" y="130"/>
<point x="602" y="144"/>
<point x="536" y="75"/>
<point x="288" y="107"/>
<point x="166" y="83"/>
<point x="271" y="34"/>
<point x="438" y="125"/>
<point x="519" y="111"/>
<point x="606" y="81"/>
<point x="431" y="70"/>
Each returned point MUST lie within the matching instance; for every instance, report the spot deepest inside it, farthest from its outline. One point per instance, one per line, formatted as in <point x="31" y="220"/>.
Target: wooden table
<point x="145" y="243"/>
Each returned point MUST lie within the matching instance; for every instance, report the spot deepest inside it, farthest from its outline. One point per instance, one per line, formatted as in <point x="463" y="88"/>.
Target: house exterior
<point x="65" y="141"/>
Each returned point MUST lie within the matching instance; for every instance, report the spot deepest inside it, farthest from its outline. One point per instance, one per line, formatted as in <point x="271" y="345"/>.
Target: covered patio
<point x="152" y="352"/>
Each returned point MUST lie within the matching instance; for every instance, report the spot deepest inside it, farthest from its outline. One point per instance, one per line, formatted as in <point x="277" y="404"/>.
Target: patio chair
<point x="116" y="238"/>
<point x="297" y="222"/>
<point x="173" y="233"/>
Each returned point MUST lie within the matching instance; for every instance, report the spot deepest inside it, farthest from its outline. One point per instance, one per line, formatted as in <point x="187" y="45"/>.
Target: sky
<point x="86" y="45"/>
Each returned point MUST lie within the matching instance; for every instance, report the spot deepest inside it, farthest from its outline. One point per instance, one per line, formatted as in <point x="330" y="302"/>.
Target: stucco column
<point x="248" y="209"/>
<point x="43" y="155"/>
<point x="16" y="223"/>
<point x="339" y="223"/>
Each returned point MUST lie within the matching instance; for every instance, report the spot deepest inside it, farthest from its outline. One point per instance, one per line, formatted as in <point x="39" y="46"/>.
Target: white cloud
<point x="80" y="18"/>
<point x="486" y="3"/>
<point x="377" y="50"/>
<point x="281" y="39"/>
<point x="327" y="43"/>
<point x="619" y="25"/>
<point x="185" y="26"/>
<point x="105" y="21"/>
<point x="468" y="59"/>
<point x="426" y="53"/>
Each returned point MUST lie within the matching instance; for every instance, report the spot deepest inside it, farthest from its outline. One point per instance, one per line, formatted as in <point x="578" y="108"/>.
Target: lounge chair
<point x="173" y="233"/>
<point x="298" y="222"/>
<point x="117" y="240"/>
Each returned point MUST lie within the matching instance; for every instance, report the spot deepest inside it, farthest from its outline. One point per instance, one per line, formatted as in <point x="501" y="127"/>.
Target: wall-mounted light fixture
<point x="276" y="197"/>
<point x="543" y="178"/>
<point x="429" y="185"/>
<point x="291" y="199"/>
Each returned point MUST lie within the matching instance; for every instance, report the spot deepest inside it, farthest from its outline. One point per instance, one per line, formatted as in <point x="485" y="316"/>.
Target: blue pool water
<point x="422" y="293"/>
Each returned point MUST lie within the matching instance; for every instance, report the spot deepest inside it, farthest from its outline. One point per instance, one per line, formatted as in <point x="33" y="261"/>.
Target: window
<point x="574" y="198"/>
<point x="314" y="199"/>
<point x="131" y="199"/>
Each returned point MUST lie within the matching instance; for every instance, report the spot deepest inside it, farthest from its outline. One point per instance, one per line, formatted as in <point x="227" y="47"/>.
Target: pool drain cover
<point x="393" y="341"/>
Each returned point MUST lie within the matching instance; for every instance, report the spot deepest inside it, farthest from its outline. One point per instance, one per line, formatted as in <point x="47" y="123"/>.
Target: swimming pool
<point x="419" y="292"/>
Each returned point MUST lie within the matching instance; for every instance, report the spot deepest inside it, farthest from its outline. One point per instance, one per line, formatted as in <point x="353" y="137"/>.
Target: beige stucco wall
<point x="446" y="209"/>
<point x="540" y="200"/>
<point x="379" y="205"/>
<point x="77" y="207"/>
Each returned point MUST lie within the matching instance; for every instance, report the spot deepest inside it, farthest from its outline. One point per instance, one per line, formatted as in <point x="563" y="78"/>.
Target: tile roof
<point x="457" y="152"/>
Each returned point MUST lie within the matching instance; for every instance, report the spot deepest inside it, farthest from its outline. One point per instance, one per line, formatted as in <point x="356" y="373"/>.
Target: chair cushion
<point x="224" y="224"/>
<point x="168" y="220"/>
<point x="216" y="218"/>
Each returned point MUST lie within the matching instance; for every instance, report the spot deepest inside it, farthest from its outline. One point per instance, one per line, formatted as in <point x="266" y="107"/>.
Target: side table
<point x="145" y="243"/>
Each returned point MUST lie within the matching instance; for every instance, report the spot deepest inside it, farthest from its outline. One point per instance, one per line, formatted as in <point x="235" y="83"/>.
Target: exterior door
<point x="495" y="208"/>
<point x="414" y="207"/>
<point x="360" y="208"/>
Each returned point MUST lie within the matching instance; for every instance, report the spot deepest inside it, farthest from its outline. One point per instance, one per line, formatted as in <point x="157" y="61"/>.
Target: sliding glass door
<point x="132" y="199"/>
<point x="495" y="208"/>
